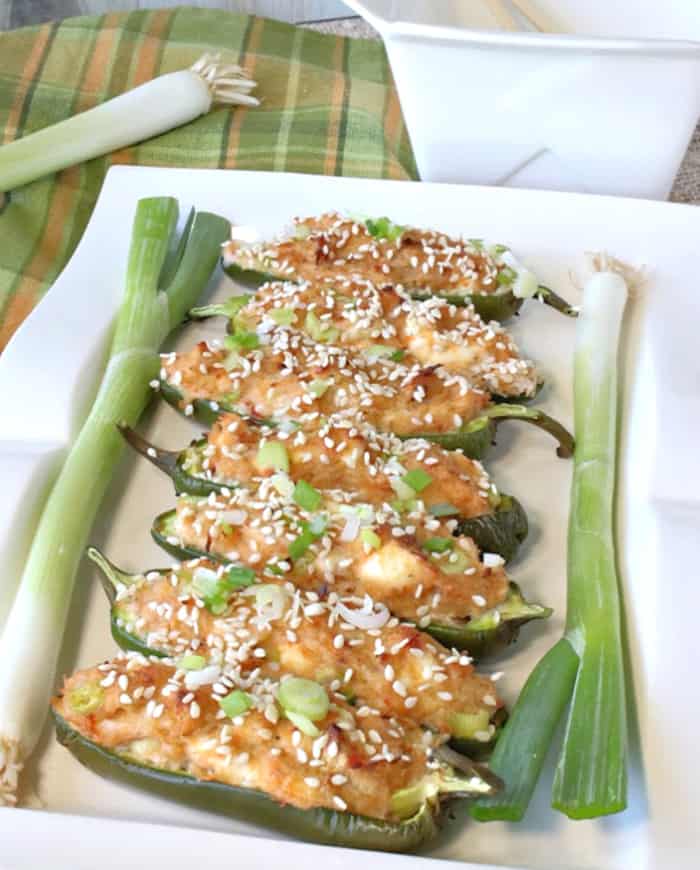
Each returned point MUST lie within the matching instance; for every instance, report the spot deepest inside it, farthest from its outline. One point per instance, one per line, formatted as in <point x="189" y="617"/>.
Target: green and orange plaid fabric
<point x="329" y="107"/>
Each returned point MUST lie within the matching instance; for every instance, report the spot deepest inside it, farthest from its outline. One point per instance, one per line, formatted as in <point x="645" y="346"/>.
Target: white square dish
<point x="574" y="107"/>
<point x="49" y="372"/>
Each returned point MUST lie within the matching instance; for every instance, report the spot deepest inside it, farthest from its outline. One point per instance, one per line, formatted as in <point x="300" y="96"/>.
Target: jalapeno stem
<point x="554" y="300"/>
<point x="166" y="460"/>
<point x="498" y="413"/>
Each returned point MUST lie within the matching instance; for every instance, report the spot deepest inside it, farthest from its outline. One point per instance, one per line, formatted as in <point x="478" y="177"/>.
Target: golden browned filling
<point x="296" y="378"/>
<point x="411" y="560"/>
<point x="330" y="245"/>
<point x="146" y="711"/>
<point x="340" y="454"/>
<point x="386" y="322"/>
<point x="347" y="645"/>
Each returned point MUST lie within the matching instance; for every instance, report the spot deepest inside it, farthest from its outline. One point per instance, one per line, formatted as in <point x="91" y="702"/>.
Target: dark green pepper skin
<point x="502" y="531"/>
<point x="328" y="827"/>
<point x="489" y="306"/>
<point x="478" y="643"/>
<point x="474" y="439"/>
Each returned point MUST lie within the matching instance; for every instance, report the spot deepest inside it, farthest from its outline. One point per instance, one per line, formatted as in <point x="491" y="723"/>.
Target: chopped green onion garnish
<point x="370" y="538"/>
<point x="318" y="387"/>
<point x="215" y="591"/>
<point x="305" y="697"/>
<point x="385" y="351"/>
<point x="383" y="228"/>
<point x="443" y="509"/>
<point x="506" y="276"/>
<point x="438" y="545"/>
<point x="301" y="544"/>
<point x="318" y="524"/>
<point x="402" y="490"/>
<point x="242" y="340"/>
<point x="417" y="479"/>
<point x="283" y="484"/>
<point x="235" y="703"/>
<point x="222" y="309"/>
<point x="456" y="563"/>
<point x="86" y="699"/>
<point x="283" y="316"/>
<point x="306" y="496"/>
<point x="303" y="723"/>
<point x="318" y="330"/>
<point x="192" y="663"/>
<point x="272" y="455"/>
<point x="238" y="576"/>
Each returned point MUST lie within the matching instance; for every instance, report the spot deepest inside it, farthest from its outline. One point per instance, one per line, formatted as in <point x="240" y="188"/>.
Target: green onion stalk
<point x="163" y="281"/>
<point x="591" y="774"/>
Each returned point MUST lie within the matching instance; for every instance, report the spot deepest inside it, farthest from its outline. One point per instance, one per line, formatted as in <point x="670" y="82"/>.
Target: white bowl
<point x="606" y="102"/>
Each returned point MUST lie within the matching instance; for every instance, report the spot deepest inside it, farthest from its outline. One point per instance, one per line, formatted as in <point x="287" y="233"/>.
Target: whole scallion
<point x="162" y="283"/>
<point x="591" y="777"/>
<point x="150" y="109"/>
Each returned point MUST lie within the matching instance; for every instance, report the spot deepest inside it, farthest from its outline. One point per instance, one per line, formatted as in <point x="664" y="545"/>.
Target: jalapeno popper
<point x="328" y="540"/>
<point x="285" y="375"/>
<point x="370" y="782"/>
<point x="212" y="616"/>
<point x="339" y="454"/>
<point x="422" y="262"/>
<point x="385" y="322"/>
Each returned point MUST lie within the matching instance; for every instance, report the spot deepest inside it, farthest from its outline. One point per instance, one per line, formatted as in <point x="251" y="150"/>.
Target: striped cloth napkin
<point x="329" y="107"/>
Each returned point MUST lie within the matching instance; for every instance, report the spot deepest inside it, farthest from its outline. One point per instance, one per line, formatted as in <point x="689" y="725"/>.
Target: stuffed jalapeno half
<point x="422" y="262"/>
<point x="366" y="782"/>
<point x="385" y="322"/>
<point x="412" y="562"/>
<point x="338" y="454"/>
<point x="213" y="616"/>
<point x="286" y="377"/>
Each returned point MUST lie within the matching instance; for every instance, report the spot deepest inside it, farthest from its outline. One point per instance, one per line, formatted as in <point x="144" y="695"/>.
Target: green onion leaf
<point x="417" y="479"/>
<point x="305" y="697"/>
<point x="306" y="496"/>
<point x="272" y="455"/>
<point x="235" y="703"/>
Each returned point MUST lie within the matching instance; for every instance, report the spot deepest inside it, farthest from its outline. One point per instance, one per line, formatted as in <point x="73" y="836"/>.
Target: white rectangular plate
<point x="48" y="375"/>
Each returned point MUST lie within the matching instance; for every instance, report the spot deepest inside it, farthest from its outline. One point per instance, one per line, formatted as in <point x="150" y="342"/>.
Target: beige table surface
<point x="327" y="16"/>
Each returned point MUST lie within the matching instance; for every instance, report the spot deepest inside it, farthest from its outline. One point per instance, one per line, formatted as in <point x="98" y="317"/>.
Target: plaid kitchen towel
<point x="329" y="107"/>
